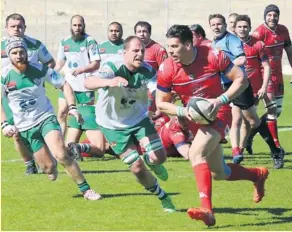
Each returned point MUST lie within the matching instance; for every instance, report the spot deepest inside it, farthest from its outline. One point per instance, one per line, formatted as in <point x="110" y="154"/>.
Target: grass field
<point x="34" y="203"/>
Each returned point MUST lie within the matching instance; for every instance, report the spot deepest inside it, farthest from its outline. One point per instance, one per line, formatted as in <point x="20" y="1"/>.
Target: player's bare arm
<point x="163" y="103"/>
<point x="266" y="77"/>
<point x="59" y="65"/>
<point x="240" y="61"/>
<point x="94" y="65"/>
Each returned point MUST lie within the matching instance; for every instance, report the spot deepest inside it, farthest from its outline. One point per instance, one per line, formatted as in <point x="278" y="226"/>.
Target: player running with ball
<point x="194" y="71"/>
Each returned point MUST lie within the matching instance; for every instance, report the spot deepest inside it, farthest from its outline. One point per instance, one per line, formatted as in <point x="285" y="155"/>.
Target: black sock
<point x="266" y="135"/>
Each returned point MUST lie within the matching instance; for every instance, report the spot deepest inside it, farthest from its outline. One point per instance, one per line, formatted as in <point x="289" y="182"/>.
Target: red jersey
<point x="172" y="134"/>
<point x="206" y="42"/>
<point x="255" y="53"/>
<point x="201" y="78"/>
<point x="155" y="54"/>
<point x="275" y="42"/>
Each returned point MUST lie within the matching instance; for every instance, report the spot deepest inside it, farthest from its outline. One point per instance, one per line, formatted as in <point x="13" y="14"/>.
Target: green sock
<point x="157" y="191"/>
<point x="83" y="187"/>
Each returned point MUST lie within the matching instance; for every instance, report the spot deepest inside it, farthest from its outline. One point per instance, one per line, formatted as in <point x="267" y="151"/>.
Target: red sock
<point x="204" y="184"/>
<point x="235" y="150"/>
<point x="239" y="172"/>
<point x="273" y="128"/>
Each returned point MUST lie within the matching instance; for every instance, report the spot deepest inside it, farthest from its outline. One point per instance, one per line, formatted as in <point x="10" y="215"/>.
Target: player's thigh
<point x="245" y="100"/>
<point x="133" y="160"/>
<point x="118" y="140"/>
<point x="236" y="114"/>
<point x="45" y="159"/>
<point x="205" y="142"/>
<point x="51" y="132"/>
<point x="251" y="116"/>
<point x="149" y="139"/>
<point x="96" y="138"/>
<point x="217" y="165"/>
<point x="62" y="106"/>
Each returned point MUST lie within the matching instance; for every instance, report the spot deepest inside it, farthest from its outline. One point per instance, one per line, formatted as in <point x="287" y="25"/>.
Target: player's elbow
<point x="241" y="61"/>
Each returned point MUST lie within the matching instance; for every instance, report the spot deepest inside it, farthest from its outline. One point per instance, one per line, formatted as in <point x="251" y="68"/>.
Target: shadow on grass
<point x="104" y="195"/>
<point x="276" y="218"/>
<point x="101" y="171"/>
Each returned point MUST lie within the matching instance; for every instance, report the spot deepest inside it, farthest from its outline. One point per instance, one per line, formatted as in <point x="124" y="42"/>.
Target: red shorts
<point x="276" y="85"/>
<point x="161" y="121"/>
<point x="222" y="122"/>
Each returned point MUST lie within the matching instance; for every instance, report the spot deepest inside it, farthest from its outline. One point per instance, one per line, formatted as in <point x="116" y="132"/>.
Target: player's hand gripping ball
<point x="199" y="110"/>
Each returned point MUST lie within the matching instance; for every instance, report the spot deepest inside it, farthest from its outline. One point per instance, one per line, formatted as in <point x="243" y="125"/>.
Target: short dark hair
<point x="15" y="16"/>
<point x="233" y="14"/>
<point x="220" y="16"/>
<point x="128" y="40"/>
<point x="182" y="32"/>
<point x="198" y="29"/>
<point x="75" y="16"/>
<point x="245" y="18"/>
<point x="116" y="23"/>
<point x="143" y="24"/>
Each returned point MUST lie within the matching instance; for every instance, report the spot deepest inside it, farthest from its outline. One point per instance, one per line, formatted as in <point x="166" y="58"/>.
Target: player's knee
<point x="279" y="111"/>
<point x="279" y="102"/>
<point x="156" y="151"/>
<point x="236" y="121"/>
<point x="132" y="160"/>
<point x="255" y="122"/>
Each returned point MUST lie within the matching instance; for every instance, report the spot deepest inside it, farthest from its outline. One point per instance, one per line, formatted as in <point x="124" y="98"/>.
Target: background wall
<point x="48" y="20"/>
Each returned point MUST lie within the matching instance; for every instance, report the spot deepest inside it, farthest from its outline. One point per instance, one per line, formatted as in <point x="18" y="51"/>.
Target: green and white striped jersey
<point x="123" y="107"/>
<point x="27" y="95"/>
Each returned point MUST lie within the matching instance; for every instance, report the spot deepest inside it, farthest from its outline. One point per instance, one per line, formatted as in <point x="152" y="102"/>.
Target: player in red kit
<point x="176" y="137"/>
<point x="199" y="36"/>
<point x="155" y="54"/>
<point x="257" y="58"/>
<point x="194" y="71"/>
<point x="276" y="38"/>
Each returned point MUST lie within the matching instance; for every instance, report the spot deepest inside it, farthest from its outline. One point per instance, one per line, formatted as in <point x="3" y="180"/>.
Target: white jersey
<point x="26" y="94"/>
<point x="123" y="107"/>
<point x="78" y="54"/>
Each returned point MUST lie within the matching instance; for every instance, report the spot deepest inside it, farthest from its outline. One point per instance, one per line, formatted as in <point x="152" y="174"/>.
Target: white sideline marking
<point x="19" y="160"/>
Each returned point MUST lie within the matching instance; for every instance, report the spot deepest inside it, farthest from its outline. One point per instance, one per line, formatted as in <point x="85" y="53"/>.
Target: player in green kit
<point x="79" y="56"/>
<point x="115" y="43"/>
<point x="122" y="115"/>
<point x="37" y="53"/>
<point x="35" y="122"/>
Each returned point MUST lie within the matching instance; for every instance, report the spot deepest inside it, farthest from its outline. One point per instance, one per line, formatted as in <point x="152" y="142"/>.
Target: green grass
<point x="34" y="203"/>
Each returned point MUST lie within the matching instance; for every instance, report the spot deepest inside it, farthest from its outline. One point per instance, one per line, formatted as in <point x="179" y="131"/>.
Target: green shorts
<point x="8" y="111"/>
<point x="33" y="138"/>
<point x="88" y="114"/>
<point x="81" y="97"/>
<point x="120" y="140"/>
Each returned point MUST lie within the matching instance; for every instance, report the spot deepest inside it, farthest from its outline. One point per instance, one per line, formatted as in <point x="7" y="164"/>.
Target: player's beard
<point x="21" y="66"/>
<point x="78" y="37"/>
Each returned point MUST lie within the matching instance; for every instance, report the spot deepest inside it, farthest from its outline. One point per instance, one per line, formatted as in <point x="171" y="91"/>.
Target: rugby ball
<point x="198" y="109"/>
